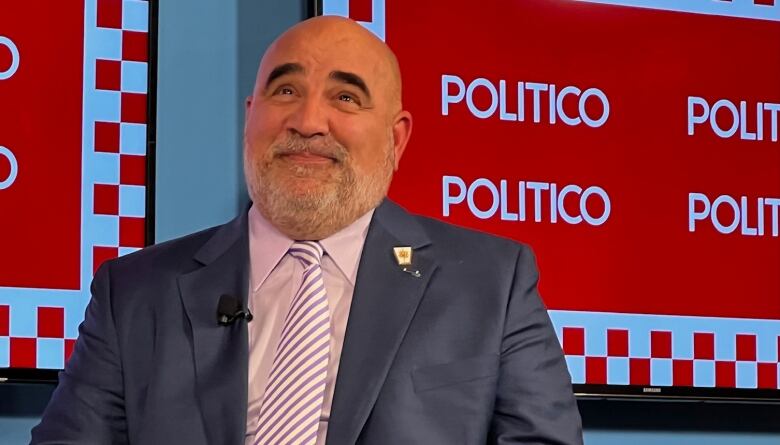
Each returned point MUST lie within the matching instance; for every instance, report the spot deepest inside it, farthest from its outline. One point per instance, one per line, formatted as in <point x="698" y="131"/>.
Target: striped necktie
<point x="295" y="391"/>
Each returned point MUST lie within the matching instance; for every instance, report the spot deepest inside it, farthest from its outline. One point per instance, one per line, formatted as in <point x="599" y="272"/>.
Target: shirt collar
<point x="267" y="246"/>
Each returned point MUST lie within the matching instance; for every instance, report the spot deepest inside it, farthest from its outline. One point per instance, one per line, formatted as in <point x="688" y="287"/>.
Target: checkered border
<point x="38" y="327"/>
<point x="651" y="350"/>
<point x="755" y="9"/>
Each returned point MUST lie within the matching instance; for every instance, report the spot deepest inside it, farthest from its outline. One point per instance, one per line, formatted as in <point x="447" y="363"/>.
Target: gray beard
<point x="319" y="212"/>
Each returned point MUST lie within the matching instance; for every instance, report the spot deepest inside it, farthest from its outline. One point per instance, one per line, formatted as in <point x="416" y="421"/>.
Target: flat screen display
<point x="634" y="145"/>
<point x="74" y="101"/>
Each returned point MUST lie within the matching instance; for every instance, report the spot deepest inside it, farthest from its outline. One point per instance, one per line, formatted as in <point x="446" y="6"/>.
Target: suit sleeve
<point x="88" y="405"/>
<point x="534" y="399"/>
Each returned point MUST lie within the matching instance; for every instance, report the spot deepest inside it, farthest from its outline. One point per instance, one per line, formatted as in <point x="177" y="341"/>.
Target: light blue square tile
<point x="682" y="346"/>
<point x="106" y="43"/>
<point x="725" y="347"/>
<point x="704" y="373"/>
<point x="767" y="348"/>
<point x="617" y="371"/>
<point x="576" y="365"/>
<point x="639" y="344"/>
<point x="51" y="353"/>
<point x="135" y="15"/>
<point x="104" y="105"/>
<point x="747" y="375"/>
<point x="24" y="321"/>
<point x="73" y="318"/>
<point x="104" y="168"/>
<point x="132" y="139"/>
<point x="660" y="372"/>
<point x="132" y="200"/>
<point x="104" y="230"/>
<point x="5" y="352"/>
<point x="134" y="77"/>
<point x="596" y="342"/>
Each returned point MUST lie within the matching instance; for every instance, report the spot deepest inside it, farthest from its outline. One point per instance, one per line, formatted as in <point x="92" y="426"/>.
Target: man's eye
<point x="347" y="98"/>
<point x="285" y="91"/>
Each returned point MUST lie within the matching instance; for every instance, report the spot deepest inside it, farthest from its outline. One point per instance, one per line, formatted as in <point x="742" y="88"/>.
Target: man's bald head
<point x="356" y="47"/>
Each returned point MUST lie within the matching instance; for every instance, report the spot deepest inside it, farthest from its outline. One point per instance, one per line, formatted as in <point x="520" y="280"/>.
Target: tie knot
<point x="307" y="252"/>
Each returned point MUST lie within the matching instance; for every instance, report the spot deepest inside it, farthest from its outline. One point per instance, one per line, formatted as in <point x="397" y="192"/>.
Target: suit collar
<point x="220" y="352"/>
<point x="384" y="302"/>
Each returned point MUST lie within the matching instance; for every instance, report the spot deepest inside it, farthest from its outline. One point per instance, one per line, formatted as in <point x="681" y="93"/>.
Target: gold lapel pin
<point x="403" y="255"/>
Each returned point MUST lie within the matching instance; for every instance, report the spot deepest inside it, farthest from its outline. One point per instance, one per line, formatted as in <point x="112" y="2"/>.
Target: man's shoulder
<point x="172" y="256"/>
<point x="452" y="237"/>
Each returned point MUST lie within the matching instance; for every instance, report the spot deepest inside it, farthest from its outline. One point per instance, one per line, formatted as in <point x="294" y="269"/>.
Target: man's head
<point x="324" y="127"/>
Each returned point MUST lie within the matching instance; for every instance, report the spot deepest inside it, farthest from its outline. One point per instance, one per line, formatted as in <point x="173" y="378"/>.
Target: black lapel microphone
<point x="230" y="309"/>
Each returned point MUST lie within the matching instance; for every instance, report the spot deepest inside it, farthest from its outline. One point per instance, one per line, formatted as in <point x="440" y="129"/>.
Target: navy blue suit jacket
<point x="463" y="354"/>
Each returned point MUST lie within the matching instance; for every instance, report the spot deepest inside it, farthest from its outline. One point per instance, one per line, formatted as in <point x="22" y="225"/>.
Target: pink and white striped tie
<point x="292" y="402"/>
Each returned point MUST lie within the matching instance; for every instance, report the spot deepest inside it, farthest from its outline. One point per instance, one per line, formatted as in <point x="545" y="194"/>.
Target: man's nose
<point x="309" y="119"/>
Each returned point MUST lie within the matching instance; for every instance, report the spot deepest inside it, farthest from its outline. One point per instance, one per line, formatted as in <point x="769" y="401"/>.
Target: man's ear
<point x="402" y="130"/>
<point x="247" y="110"/>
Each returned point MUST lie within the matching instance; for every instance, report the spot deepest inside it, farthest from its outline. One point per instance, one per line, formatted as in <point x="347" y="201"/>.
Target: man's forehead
<point x="324" y="45"/>
<point x="314" y="55"/>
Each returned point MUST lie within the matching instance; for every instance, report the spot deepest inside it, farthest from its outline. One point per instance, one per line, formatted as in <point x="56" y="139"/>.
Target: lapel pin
<point x="403" y="255"/>
<point x="413" y="272"/>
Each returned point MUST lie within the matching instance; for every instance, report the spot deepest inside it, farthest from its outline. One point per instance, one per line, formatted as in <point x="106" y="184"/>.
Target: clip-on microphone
<point x="229" y="310"/>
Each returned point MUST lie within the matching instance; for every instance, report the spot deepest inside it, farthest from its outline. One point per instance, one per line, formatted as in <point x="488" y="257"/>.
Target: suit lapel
<point x="383" y="304"/>
<point x="220" y="352"/>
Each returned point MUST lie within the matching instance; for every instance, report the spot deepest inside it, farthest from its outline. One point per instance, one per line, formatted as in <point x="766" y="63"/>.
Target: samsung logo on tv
<point x="652" y="390"/>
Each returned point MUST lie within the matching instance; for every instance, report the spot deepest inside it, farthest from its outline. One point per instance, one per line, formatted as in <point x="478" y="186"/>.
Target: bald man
<point x="371" y="326"/>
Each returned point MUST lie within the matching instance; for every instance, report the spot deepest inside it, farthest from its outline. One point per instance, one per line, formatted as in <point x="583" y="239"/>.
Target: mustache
<point x="328" y="148"/>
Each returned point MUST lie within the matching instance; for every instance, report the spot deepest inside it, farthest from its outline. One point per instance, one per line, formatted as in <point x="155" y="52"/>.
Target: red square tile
<point x="23" y="352"/>
<point x="108" y="75"/>
<point x="134" y="108"/>
<point x="767" y="375"/>
<point x="135" y="46"/>
<point x="107" y="137"/>
<point x="100" y="254"/>
<point x="109" y="14"/>
<point x="704" y="345"/>
<point x="106" y="199"/>
<point x="640" y="371"/>
<point x="746" y="347"/>
<point x="361" y="10"/>
<point x="764" y="2"/>
<point x="5" y="321"/>
<point x="617" y="342"/>
<point x="596" y="370"/>
<point x="132" y="232"/>
<point x="132" y="170"/>
<point x="726" y="374"/>
<point x="51" y="322"/>
<point x="574" y="341"/>
<point x="660" y="344"/>
<point x="682" y="372"/>
<point x="69" y="345"/>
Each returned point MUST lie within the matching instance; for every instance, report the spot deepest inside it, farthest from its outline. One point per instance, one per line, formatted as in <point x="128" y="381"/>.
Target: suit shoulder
<point x="471" y="240"/>
<point x="172" y="255"/>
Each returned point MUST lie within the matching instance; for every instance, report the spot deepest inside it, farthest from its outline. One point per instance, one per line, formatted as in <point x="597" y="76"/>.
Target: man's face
<point x="321" y="129"/>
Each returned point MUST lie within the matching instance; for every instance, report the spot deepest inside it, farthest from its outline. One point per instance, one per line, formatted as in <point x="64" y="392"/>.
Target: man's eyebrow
<point x="351" y="79"/>
<point x="283" y="69"/>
